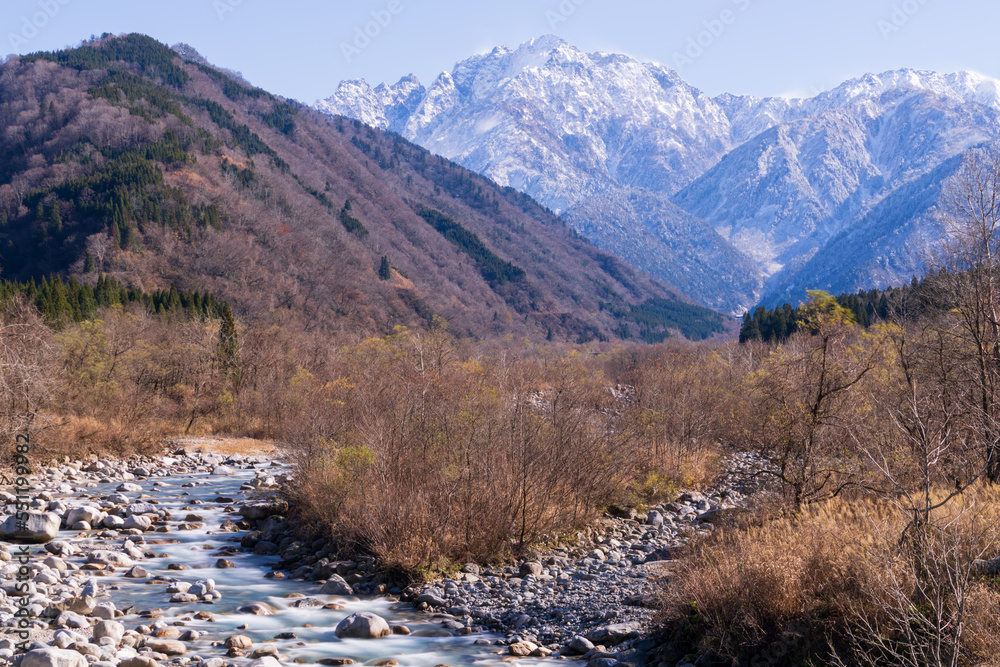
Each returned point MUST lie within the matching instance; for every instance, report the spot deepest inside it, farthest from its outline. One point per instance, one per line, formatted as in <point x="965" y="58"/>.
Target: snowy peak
<point x="383" y="107"/>
<point x="733" y="198"/>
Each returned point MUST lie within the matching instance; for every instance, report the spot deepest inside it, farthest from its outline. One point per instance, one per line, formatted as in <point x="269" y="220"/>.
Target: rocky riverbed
<point x="188" y="560"/>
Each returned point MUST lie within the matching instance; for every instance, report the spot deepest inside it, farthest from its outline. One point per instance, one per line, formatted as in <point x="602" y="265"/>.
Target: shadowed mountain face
<point x="125" y="157"/>
<point x="733" y="199"/>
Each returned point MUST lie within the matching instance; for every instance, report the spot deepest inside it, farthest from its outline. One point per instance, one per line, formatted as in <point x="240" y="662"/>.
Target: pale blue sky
<point x="761" y="47"/>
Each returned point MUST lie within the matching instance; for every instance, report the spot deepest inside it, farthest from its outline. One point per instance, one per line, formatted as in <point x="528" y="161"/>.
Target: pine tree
<point x="384" y="270"/>
<point x="88" y="264"/>
<point x="128" y="236"/>
<point x="55" y="219"/>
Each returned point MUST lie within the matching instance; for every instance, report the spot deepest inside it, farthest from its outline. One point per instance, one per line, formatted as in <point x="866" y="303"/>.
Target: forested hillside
<point x="866" y="307"/>
<point x="121" y="158"/>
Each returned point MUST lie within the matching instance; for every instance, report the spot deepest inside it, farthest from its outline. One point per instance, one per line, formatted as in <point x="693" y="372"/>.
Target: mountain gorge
<point x="733" y="199"/>
<point x="121" y="157"/>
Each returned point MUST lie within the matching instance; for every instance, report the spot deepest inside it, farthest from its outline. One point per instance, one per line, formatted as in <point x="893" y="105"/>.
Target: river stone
<point x="166" y="646"/>
<point x="53" y="657"/>
<point x="603" y="662"/>
<point x="113" y="522"/>
<point x="580" y="645"/>
<point x="62" y="638"/>
<point x="137" y="572"/>
<point x="431" y="599"/>
<point x="61" y="548"/>
<point x="84" y="604"/>
<point x="263" y="509"/>
<point x="114" y="558"/>
<point x="138" y="521"/>
<point x="238" y="641"/>
<point x="141" y="661"/>
<point x="112" y="629"/>
<point x="128" y="487"/>
<point x="40" y="527"/>
<point x="266" y="661"/>
<point x="532" y="568"/>
<point x="363" y="625"/>
<point x="91" y="515"/>
<point x="654" y="518"/>
<point x="613" y="634"/>
<point x="140" y="508"/>
<point x="105" y="611"/>
<point x="258" y="609"/>
<point x="522" y="649"/>
<point x="336" y="585"/>
<point x="71" y="619"/>
<point x="222" y="470"/>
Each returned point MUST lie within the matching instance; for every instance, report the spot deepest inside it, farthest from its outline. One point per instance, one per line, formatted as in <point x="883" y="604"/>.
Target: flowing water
<point x="429" y="643"/>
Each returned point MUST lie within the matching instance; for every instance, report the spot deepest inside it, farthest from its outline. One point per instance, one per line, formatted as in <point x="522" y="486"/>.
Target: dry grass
<point x="76" y="436"/>
<point x="227" y="446"/>
<point x="832" y="576"/>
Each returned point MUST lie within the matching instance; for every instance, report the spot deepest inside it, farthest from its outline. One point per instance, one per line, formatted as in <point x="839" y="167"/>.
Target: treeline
<point x="494" y="270"/>
<point x="156" y="60"/>
<point x="123" y="194"/>
<point x="657" y="318"/>
<point x="869" y="307"/>
<point x="60" y="301"/>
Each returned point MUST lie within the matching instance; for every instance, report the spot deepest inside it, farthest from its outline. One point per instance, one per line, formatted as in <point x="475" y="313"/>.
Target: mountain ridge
<point x="586" y="134"/>
<point x="121" y="157"/>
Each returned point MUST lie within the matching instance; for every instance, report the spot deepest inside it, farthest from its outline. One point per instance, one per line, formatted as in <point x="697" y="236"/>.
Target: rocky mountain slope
<point x="733" y="199"/>
<point x="123" y="157"/>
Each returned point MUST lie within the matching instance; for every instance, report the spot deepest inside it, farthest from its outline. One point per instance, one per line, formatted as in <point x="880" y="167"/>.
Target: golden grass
<point x="227" y="446"/>
<point x="824" y="573"/>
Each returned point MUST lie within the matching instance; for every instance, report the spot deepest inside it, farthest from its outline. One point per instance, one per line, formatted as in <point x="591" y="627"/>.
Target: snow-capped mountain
<point x="733" y="199"/>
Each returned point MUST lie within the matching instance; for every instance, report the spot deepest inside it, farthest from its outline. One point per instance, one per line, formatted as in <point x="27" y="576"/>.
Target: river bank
<point x="165" y="560"/>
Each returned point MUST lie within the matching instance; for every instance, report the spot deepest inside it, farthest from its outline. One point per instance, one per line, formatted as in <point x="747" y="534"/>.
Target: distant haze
<point x="303" y="49"/>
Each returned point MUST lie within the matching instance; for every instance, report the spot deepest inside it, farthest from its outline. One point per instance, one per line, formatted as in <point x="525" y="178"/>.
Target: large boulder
<point x="167" y="646"/>
<point x="336" y="585"/>
<point x="112" y="629"/>
<point x="91" y="515"/>
<point x="53" y="657"/>
<point x="140" y="508"/>
<point x="616" y="633"/>
<point x="40" y="527"/>
<point x="138" y="521"/>
<point x="363" y="625"/>
<point x="263" y="508"/>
